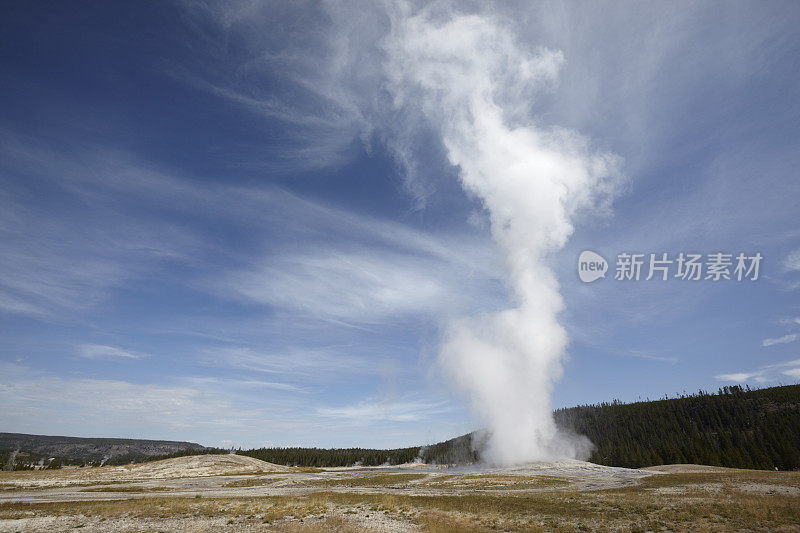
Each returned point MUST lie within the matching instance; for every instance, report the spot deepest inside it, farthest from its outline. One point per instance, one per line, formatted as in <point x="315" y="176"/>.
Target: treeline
<point x="459" y="450"/>
<point x="334" y="457"/>
<point x="736" y="427"/>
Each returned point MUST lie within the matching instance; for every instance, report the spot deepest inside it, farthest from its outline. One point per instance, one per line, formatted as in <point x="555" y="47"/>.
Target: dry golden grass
<point x="497" y="482"/>
<point x="737" y="477"/>
<point x="266" y="509"/>
<point x="254" y="482"/>
<point x="127" y="488"/>
<point x="306" y="470"/>
<point x="377" y="480"/>
<point x="674" y="502"/>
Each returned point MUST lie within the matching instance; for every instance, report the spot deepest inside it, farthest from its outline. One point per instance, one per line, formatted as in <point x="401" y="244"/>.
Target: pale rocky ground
<point x="216" y="492"/>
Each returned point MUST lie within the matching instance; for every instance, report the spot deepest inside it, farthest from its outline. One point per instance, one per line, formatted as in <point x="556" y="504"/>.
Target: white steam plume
<point x="474" y="85"/>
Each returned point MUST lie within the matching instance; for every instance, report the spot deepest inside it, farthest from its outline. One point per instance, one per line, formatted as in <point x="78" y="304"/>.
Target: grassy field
<point x="698" y="505"/>
<point x="725" y="500"/>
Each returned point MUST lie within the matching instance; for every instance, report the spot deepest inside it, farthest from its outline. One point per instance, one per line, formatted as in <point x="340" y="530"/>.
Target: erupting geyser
<point x="474" y="85"/>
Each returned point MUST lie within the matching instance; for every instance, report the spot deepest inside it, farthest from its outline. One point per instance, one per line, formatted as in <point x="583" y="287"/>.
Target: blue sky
<point x="215" y="226"/>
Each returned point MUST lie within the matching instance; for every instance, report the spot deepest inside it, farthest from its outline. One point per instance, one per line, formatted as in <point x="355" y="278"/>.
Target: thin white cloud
<point x="781" y="340"/>
<point x="739" y="377"/>
<point x="99" y="351"/>
<point x="367" y="285"/>
<point x="321" y="363"/>
<point x="35" y="399"/>
<point x="366" y="270"/>
<point x="400" y="411"/>
<point x="311" y="140"/>
<point x="11" y="304"/>
<point x="351" y="266"/>
<point x="793" y="372"/>
<point x="792" y="261"/>
<point x="72" y="254"/>
<point x="795" y="362"/>
<point x="247" y="384"/>
<point x="764" y="374"/>
<point x="653" y="357"/>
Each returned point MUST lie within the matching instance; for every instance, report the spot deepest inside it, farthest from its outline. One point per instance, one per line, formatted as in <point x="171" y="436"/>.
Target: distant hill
<point x="77" y="450"/>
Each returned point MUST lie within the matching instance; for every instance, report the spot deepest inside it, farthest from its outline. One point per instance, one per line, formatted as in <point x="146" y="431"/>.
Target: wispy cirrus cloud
<point x="350" y="266"/>
<point x="739" y="377"/>
<point x="311" y="363"/>
<point x="40" y="401"/>
<point x="792" y="373"/>
<point x="792" y="261"/>
<point x="765" y="373"/>
<point x="19" y="306"/>
<point x="306" y="85"/>
<point x="247" y="384"/>
<point x="35" y="399"/>
<point x="70" y="244"/>
<point x="99" y="351"/>
<point x="376" y="410"/>
<point x="642" y="354"/>
<point x="786" y="339"/>
<point x="366" y="285"/>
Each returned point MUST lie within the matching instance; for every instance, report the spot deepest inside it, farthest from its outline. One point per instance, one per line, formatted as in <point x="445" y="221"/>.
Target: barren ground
<point x="213" y="492"/>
